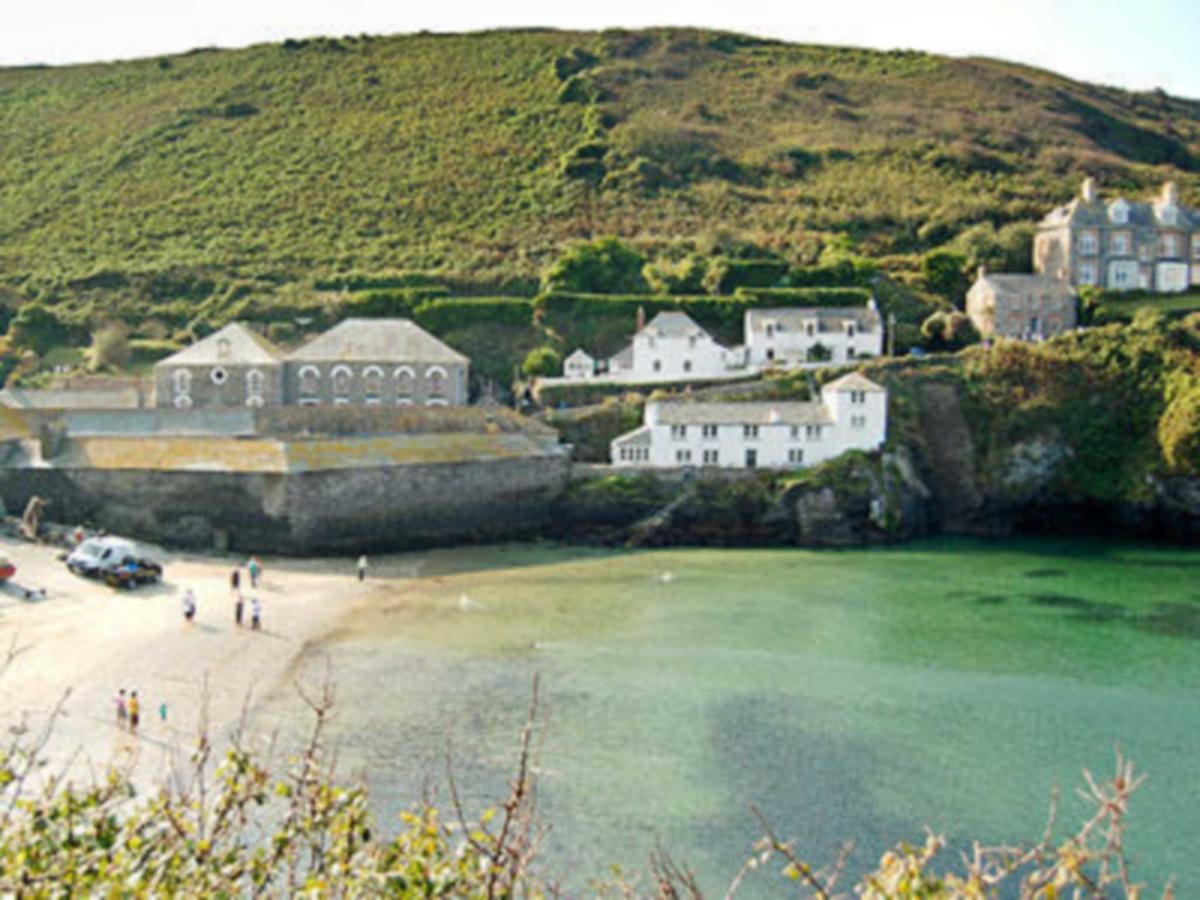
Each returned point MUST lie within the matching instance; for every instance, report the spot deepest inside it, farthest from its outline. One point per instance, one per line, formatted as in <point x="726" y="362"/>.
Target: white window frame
<point x="313" y="397"/>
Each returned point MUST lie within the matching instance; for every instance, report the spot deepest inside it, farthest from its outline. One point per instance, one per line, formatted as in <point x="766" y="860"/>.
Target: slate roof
<point x="244" y="347"/>
<point x="761" y="413"/>
<point x="623" y="359"/>
<point x="1024" y="284"/>
<point x="855" y="381"/>
<point x="639" y="438"/>
<point x="579" y="356"/>
<point x="1141" y="215"/>
<point x="375" y="340"/>
<point x="673" y="324"/>
<point x="829" y="318"/>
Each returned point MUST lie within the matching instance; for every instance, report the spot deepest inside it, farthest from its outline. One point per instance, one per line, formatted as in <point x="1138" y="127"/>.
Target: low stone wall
<point x="349" y="510"/>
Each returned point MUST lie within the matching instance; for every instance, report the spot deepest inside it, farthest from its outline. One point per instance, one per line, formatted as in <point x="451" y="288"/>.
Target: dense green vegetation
<point x="294" y="183"/>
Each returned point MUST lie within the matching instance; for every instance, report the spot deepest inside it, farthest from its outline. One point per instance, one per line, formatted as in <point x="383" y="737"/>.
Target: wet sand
<point x="83" y="641"/>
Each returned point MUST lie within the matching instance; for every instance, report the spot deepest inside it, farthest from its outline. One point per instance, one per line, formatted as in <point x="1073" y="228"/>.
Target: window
<point x="812" y="432"/>
<point x="1145" y="251"/>
<point x="1168" y="245"/>
<point x="795" y="432"/>
<point x="795" y="455"/>
<point x="770" y="329"/>
<point x="310" y="385"/>
<point x="751" y="459"/>
<point x="849" y="329"/>
<point x="678" y="432"/>
<point x="373" y="384"/>
<point x="255" y="385"/>
<point x="858" y="397"/>
<point x="1196" y="246"/>
<point x="683" y="457"/>
<point x="810" y="329"/>
<point x="437" y="381"/>
<point x="687" y="365"/>
<point x="750" y="432"/>
<point x="182" y="379"/>
<point x="770" y="354"/>
<point x="343" y="380"/>
<point x="657" y="366"/>
<point x="1087" y="273"/>
<point x="223" y="348"/>
<point x="406" y="380"/>
<point x="858" y="421"/>
<point x="708" y="432"/>
<point x="1118" y="243"/>
<point x="692" y="340"/>
<point x="650" y="342"/>
<point x="1118" y="212"/>
<point x="1087" y="243"/>
<point x="218" y="376"/>
<point x="1123" y="274"/>
<point x="850" y="353"/>
<point x="712" y="457"/>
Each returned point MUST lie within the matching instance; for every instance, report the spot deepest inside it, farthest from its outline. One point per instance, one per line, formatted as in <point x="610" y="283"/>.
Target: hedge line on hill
<point x="726" y="276"/>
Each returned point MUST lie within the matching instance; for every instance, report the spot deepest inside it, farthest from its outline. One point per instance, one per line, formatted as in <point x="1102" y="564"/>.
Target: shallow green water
<point x="860" y="694"/>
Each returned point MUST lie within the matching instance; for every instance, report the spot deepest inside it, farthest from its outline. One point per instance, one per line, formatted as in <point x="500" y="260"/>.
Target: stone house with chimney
<point x="1120" y="244"/>
<point x="1026" y="307"/>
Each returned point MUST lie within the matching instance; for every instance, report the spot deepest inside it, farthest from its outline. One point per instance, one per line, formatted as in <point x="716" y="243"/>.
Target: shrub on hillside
<point x="544" y="361"/>
<point x="446" y="314"/>
<point x="949" y="331"/>
<point x="685" y="276"/>
<point x="37" y="328"/>
<point x="604" y="266"/>
<point x="1179" y="433"/>
<point x="110" y="347"/>
<point x="945" y="274"/>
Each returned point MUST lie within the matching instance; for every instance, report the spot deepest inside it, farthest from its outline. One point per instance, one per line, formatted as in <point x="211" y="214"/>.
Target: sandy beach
<point x="83" y="641"/>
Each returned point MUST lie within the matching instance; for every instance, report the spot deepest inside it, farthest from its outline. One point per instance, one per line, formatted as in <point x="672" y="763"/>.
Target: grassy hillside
<point x="220" y="183"/>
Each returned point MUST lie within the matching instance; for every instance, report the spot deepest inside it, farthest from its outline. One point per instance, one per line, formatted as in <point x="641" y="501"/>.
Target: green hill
<point x="193" y="185"/>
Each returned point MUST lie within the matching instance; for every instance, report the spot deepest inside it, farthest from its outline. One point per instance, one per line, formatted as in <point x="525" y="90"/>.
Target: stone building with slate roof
<point x="851" y="415"/>
<point x="789" y="336"/>
<point x="1121" y="244"/>
<point x="1027" y="307"/>
<point x="376" y="362"/>
<point x="231" y="367"/>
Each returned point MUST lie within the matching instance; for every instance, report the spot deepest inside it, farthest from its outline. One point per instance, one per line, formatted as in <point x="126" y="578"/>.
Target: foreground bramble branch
<point x="234" y="828"/>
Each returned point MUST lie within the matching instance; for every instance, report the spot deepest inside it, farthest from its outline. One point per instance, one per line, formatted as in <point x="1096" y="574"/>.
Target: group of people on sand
<point x="129" y="711"/>
<point x="254" y="568"/>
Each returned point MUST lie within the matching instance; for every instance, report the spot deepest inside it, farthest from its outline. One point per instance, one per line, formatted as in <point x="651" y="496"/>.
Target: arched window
<point x="436" y="376"/>
<point x="406" y="380"/>
<point x="373" y="384"/>
<point x="310" y="385"/>
<point x="182" y="380"/>
<point x="255" y="386"/>
<point x="343" y="380"/>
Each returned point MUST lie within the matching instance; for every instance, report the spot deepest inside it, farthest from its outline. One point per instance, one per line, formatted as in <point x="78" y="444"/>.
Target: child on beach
<point x="255" y="568"/>
<point x="235" y="580"/>
<point x="135" y="712"/>
<point x="122" y="711"/>
<point x="189" y="605"/>
<point x="362" y="567"/>
<point x="238" y="608"/>
<point x="255" y="615"/>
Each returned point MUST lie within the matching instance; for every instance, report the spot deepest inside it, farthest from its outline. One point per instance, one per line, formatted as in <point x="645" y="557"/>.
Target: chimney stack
<point x="1088" y="191"/>
<point x="982" y="273"/>
<point x="1170" y="193"/>
<point x="641" y="318"/>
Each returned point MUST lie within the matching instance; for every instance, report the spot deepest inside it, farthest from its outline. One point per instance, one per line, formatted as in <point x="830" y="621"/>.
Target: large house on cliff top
<point x="1121" y="245"/>
<point x="851" y="415"/>
<point x="359" y="361"/>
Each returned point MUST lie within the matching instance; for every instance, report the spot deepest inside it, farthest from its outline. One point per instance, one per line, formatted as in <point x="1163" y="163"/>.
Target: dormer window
<point x="1168" y="215"/>
<point x="1118" y="212"/>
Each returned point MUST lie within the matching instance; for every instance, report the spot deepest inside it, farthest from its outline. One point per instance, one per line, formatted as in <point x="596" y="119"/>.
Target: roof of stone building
<point x="760" y="413"/>
<point x="375" y="340"/>
<point x="673" y="324"/>
<point x="117" y="398"/>
<point x="639" y="438"/>
<point x="828" y="318"/>
<point x="1018" y="283"/>
<point x="1141" y="215"/>
<point x="235" y="343"/>
<point x="855" y="381"/>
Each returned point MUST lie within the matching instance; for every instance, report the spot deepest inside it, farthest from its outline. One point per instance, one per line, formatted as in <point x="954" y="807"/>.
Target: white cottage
<point x="793" y="335"/>
<point x="671" y="347"/>
<point x="851" y="415"/>
<point x="579" y="365"/>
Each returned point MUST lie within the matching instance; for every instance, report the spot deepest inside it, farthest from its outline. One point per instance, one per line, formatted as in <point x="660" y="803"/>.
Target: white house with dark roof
<point x="376" y="362"/>
<point x="672" y="347"/>
<point x="850" y="415"/>
<point x="235" y="366"/>
<point x="791" y="336"/>
<point x="579" y="365"/>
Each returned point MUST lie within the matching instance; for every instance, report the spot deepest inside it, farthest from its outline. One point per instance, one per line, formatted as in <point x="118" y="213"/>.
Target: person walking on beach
<point x="122" y="710"/>
<point x="255" y="568"/>
<point x="189" y="605"/>
<point x="135" y="712"/>
<point x="362" y="567"/>
<point x="255" y="615"/>
<point x="235" y="580"/>
<point x="239" y="607"/>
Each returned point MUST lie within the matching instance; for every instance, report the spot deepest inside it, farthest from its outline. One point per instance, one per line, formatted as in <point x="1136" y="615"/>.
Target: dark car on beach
<point x="118" y="563"/>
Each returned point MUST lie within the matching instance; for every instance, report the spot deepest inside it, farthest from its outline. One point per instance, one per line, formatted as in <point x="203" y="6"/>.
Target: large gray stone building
<point x="376" y="361"/>
<point x="359" y="361"/>
<point x="231" y="367"/>
<point x="1121" y="245"/>
<point x="1027" y="307"/>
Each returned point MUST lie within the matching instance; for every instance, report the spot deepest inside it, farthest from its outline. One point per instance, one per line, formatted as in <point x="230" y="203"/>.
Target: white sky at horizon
<point x="1138" y="46"/>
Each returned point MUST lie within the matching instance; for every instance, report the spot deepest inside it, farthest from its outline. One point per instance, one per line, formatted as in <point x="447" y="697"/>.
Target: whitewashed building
<point x="579" y="366"/>
<point x="671" y="347"/>
<point x="792" y="336"/>
<point x="851" y="415"/>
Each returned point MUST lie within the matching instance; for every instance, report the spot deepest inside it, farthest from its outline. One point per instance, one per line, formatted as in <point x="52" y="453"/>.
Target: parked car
<point x="7" y="569"/>
<point x="119" y="563"/>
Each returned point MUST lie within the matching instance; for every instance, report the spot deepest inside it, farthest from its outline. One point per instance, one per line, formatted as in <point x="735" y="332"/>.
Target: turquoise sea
<point x="859" y="695"/>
